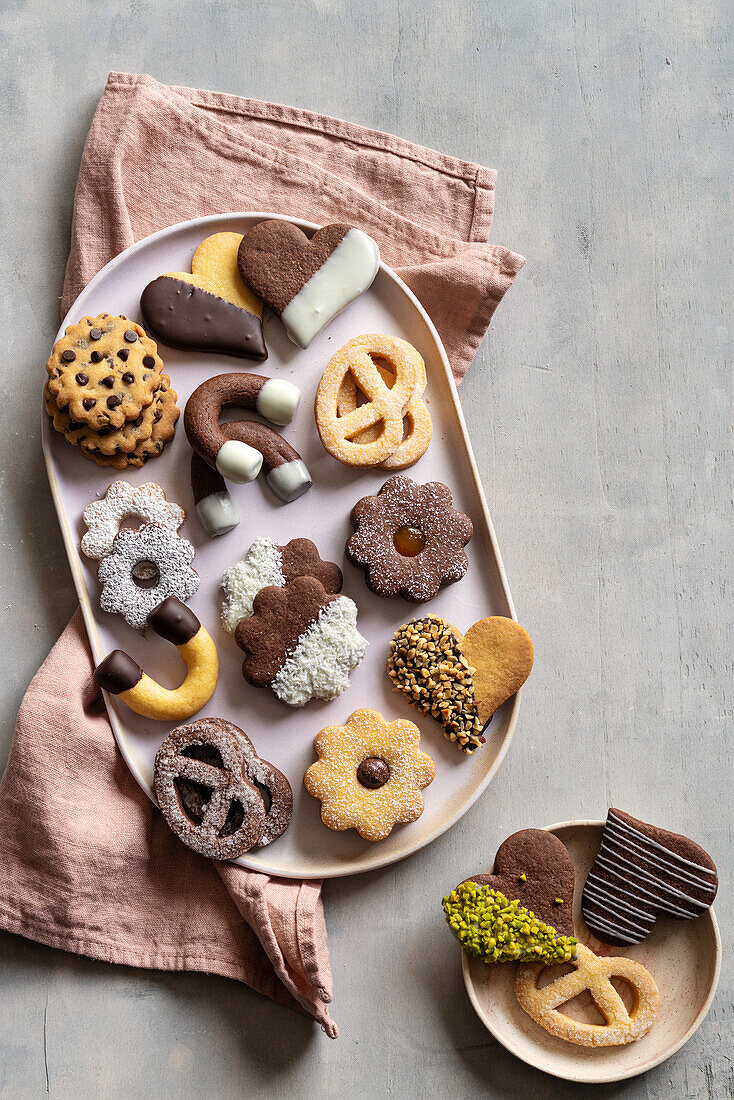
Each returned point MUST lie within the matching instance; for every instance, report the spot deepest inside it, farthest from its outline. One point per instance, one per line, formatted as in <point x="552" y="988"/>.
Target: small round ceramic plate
<point x="684" y="957"/>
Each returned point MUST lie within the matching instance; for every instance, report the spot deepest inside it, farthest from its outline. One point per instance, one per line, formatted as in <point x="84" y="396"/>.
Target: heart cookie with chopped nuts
<point x="460" y="681"/>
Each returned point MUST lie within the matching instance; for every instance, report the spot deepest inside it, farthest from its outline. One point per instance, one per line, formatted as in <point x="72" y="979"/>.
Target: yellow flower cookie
<point x="370" y="774"/>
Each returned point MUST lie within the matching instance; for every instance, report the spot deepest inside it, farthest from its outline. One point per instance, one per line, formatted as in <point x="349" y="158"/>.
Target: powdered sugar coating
<point x="345" y="803"/>
<point x="401" y="502"/>
<point x="319" y="665"/>
<point x="228" y="784"/>
<point x="260" y="567"/>
<point x="104" y="516"/>
<point x="151" y="543"/>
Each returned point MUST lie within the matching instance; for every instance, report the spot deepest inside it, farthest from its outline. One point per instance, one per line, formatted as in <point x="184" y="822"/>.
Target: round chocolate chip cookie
<point x="105" y="371"/>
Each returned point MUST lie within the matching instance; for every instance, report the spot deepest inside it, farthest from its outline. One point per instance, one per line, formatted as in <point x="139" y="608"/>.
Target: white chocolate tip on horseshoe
<point x="278" y="401"/>
<point x="238" y="462"/>
<point x="289" y="481"/>
<point x="217" y="514"/>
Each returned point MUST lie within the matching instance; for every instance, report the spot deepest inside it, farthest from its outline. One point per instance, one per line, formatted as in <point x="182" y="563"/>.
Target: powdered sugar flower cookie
<point x="301" y="641"/>
<point x="103" y="517"/>
<point x="265" y="564"/>
<point x="143" y="568"/>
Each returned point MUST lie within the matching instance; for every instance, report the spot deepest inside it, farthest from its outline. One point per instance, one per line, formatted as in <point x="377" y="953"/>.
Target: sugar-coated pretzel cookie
<point x="211" y="309"/>
<point x="417" y="425"/>
<point x="120" y="675"/>
<point x="300" y="641"/>
<point x="307" y="281"/>
<point x="370" y="774"/>
<point x="271" y="783"/>
<point x="206" y="758"/>
<point x="591" y="973"/>
<point x="104" y="370"/>
<point x="274" y="398"/>
<point x="265" y="564"/>
<point x="143" y="567"/>
<point x="215" y="508"/>
<point x="409" y="539"/>
<point x="122" y="500"/>
<point x="383" y="404"/>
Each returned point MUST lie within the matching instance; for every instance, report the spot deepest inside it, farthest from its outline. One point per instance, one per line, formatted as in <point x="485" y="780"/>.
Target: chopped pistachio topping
<point x="558" y="901"/>
<point x="523" y="878"/>
<point x="497" y="930"/>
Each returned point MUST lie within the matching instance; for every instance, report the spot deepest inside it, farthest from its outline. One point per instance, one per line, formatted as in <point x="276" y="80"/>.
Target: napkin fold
<point x="87" y="863"/>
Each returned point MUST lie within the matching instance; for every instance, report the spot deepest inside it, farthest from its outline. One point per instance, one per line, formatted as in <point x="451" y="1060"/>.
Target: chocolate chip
<point x="114" y="401"/>
<point x="130" y="336"/>
<point x="95" y="334"/>
<point x="68" y="355"/>
<point x="128" y="377"/>
<point x="96" y="356"/>
<point x="89" y="402"/>
<point x="148" y="361"/>
<point x="82" y="378"/>
<point x="373" y="772"/>
<point x="123" y="354"/>
<point x="109" y="381"/>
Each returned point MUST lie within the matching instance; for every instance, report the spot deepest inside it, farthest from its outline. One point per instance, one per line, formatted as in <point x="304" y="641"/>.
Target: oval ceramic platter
<point x="285" y="736"/>
<point x="683" y="956"/>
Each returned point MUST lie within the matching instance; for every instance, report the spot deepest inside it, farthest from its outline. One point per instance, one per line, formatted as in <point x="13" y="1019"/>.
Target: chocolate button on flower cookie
<point x="370" y="774"/>
<point x="104" y="370"/>
<point x="409" y="539"/>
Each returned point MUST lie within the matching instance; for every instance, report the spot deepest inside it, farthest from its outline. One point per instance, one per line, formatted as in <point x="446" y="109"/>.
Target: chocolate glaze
<point x="185" y="316"/>
<point x="373" y="772"/>
<point x="174" y="621"/>
<point x="117" y="673"/>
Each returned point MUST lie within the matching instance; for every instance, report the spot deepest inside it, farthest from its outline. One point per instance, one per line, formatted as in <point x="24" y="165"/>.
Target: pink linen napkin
<point x="87" y="863"/>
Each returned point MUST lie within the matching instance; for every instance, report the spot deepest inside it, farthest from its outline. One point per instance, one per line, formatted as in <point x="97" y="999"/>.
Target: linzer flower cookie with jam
<point x="409" y="539"/>
<point x="460" y="681"/>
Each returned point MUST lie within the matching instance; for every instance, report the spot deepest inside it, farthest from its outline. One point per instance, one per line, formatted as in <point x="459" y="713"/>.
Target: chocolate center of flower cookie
<point x="409" y="541"/>
<point x="373" y="772"/>
<point x="145" y="574"/>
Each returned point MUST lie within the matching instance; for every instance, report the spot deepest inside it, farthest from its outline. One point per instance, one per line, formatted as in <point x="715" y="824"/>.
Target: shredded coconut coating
<point x="260" y="567"/>
<point x="319" y="665"/>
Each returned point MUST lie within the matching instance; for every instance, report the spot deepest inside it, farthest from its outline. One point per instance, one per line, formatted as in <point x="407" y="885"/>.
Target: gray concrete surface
<point x="600" y="408"/>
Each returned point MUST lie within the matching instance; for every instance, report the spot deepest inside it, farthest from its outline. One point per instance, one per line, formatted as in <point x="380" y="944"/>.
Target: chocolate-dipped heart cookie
<point x="460" y="681"/>
<point x="533" y="867"/>
<point x="307" y="281"/>
<point x="642" y="873"/>
<point x="209" y="309"/>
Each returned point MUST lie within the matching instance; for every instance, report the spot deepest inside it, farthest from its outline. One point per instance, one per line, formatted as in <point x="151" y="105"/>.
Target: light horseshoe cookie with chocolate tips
<point x="306" y="280"/>
<point x="641" y="873"/>
<point x="210" y="309"/>
<point x="300" y="641"/>
<point x="238" y="449"/>
<point x="265" y="564"/>
<point x="120" y="675"/>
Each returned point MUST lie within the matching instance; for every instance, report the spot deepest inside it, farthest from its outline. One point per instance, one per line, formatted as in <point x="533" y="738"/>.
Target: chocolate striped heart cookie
<point x="642" y="873"/>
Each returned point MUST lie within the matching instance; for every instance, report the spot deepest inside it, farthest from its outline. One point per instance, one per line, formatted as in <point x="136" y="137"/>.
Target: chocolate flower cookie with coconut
<point x="409" y="539"/>
<point x="301" y="641"/>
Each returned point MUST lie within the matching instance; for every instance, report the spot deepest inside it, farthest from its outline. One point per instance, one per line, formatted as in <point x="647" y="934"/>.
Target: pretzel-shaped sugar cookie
<point x="592" y="973"/>
<point x="384" y="404"/>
